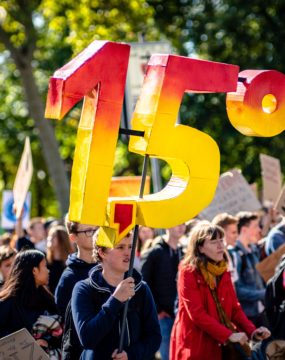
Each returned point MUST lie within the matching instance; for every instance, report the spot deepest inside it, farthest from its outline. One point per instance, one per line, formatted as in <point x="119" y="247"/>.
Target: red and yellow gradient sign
<point x="98" y="74"/>
<point x="101" y="82"/>
<point x="257" y="108"/>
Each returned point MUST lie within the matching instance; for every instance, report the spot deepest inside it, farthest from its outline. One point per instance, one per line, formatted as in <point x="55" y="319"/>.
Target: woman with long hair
<point x="58" y="249"/>
<point x="24" y="296"/>
<point x="209" y="314"/>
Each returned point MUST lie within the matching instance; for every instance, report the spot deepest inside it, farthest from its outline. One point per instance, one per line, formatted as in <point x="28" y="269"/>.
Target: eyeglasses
<point x="88" y="232"/>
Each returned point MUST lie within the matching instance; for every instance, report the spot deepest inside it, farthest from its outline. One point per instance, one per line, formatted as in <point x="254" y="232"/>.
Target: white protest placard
<point x="139" y="57"/>
<point x="8" y="217"/>
<point x="271" y="177"/>
<point x="23" y="178"/>
<point x="21" y="345"/>
<point x="233" y="194"/>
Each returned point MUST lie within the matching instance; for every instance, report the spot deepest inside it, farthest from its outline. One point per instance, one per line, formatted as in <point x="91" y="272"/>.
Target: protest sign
<point x="267" y="266"/>
<point x="8" y="217"/>
<point x="271" y="177"/>
<point x="233" y="194"/>
<point x="23" y="178"/>
<point x="21" y="345"/>
<point x="280" y="203"/>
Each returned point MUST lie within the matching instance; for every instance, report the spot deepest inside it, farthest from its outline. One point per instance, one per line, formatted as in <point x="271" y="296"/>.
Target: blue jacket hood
<point x="98" y="282"/>
<point x="73" y="261"/>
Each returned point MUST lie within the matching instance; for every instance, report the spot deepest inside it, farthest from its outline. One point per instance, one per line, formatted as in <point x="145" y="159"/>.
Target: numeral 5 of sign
<point x="98" y="74"/>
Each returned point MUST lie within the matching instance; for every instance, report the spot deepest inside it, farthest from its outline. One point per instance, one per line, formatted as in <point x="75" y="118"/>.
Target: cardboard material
<point x="233" y="194"/>
<point x="280" y="203"/>
<point x="271" y="177"/>
<point x="23" y="178"/>
<point x="98" y="75"/>
<point x="267" y="266"/>
<point x="257" y="107"/>
<point x="128" y="186"/>
<point x="21" y="346"/>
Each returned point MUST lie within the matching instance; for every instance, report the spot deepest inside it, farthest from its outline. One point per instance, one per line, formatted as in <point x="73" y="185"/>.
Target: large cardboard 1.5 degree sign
<point x="98" y="74"/>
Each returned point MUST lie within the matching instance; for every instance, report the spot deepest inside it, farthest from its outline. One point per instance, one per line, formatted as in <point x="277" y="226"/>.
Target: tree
<point x="248" y="34"/>
<point x="19" y="36"/>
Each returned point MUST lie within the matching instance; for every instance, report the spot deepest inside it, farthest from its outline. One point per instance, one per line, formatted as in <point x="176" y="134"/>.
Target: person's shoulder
<point x="153" y="251"/>
<point x="188" y="271"/>
<point x="7" y="303"/>
<point x="68" y="277"/>
<point x="226" y="277"/>
<point x="83" y="284"/>
<point x="143" y="293"/>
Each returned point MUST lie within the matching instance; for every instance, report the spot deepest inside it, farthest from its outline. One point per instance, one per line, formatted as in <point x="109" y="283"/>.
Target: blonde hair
<point x="202" y="231"/>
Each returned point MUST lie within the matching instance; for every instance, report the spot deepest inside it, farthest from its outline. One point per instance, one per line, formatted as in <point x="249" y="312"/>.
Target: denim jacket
<point x="249" y="285"/>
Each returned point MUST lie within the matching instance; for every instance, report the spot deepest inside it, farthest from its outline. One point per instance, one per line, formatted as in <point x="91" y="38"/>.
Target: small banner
<point x="280" y="203"/>
<point x="21" y="345"/>
<point x="23" y="178"/>
<point x="271" y="177"/>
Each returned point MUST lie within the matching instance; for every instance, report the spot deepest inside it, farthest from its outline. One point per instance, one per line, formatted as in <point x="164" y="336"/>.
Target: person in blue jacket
<point x="275" y="237"/>
<point x="78" y="264"/>
<point x="97" y="307"/>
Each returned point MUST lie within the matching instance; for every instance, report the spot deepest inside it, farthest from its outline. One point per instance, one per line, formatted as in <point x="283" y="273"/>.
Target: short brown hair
<point x="245" y="218"/>
<point x="6" y="252"/>
<point x="224" y="219"/>
<point x="71" y="226"/>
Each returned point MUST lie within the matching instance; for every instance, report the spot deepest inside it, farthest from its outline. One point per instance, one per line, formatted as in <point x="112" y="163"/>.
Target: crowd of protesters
<point x="195" y="292"/>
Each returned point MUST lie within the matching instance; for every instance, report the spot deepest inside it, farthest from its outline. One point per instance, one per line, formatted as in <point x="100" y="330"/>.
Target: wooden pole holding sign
<point x="23" y="178"/>
<point x="133" y="253"/>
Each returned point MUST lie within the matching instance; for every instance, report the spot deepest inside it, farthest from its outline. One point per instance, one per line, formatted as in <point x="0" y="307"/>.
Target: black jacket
<point x="159" y="270"/>
<point x="14" y="315"/>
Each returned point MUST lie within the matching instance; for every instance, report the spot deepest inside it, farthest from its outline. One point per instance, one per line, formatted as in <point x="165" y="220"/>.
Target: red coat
<point x="197" y="333"/>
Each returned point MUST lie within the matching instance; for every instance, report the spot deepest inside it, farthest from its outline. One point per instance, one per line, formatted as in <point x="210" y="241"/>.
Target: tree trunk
<point x="49" y="143"/>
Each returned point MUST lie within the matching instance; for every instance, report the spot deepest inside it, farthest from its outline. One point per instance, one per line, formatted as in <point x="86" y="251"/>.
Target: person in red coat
<point x="198" y="333"/>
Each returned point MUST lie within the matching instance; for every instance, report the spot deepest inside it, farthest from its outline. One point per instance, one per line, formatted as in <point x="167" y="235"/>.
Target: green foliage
<point x="58" y="30"/>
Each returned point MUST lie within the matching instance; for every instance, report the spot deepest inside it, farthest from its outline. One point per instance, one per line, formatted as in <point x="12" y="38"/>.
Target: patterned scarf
<point x="212" y="271"/>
